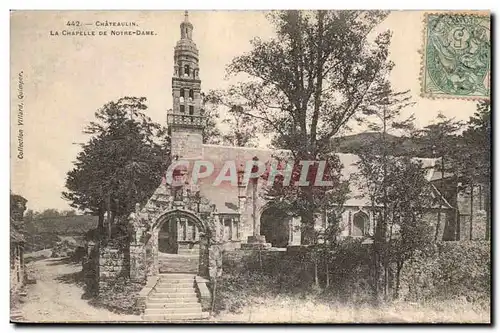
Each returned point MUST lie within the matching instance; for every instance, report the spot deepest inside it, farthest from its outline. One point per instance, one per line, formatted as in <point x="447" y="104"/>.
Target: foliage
<point x="211" y="132"/>
<point x="248" y="278"/>
<point x="309" y="201"/>
<point x="449" y="270"/>
<point x="309" y="81"/>
<point x="64" y="248"/>
<point x="477" y="141"/>
<point x="122" y="162"/>
<point x="241" y="129"/>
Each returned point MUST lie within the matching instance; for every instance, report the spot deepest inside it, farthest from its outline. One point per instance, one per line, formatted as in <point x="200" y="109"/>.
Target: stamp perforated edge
<point x="423" y="59"/>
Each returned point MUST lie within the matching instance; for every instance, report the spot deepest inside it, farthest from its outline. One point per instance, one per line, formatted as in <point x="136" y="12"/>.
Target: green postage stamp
<point x="456" y="55"/>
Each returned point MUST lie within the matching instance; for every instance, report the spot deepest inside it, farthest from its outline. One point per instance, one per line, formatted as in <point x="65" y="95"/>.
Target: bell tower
<point x="185" y="120"/>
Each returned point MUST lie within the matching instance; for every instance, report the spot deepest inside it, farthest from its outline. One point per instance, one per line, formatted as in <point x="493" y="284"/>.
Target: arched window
<point x="186" y="70"/>
<point x="330" y="218"/>
<point x="191" y="110"/>
<point x="182" y="95"/>
<point x="191" y="94"/>
<point x="182" y="108"/>
<point x="360" y="224"/>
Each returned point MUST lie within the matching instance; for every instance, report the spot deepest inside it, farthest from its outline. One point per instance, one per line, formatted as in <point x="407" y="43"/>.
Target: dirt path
<point x="56" y="297"/>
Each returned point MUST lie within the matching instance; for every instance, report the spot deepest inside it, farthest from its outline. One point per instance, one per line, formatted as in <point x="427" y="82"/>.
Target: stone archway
<point x="187" y="253"/>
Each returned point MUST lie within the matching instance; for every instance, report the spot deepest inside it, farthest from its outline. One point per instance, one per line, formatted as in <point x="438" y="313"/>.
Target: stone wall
<point x="187" y="143"/>
<point x="112" y="264"/>
<point x="17" y="267"/>
<point x="431" y="217"/>
<point x="250" y="259"/>
<point x="90" y="268"/>
<point x="479" y="218"/>
<point x="137" y="263"/>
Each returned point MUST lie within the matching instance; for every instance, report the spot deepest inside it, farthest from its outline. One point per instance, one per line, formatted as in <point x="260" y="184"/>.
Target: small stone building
<point x="17" y="241"/>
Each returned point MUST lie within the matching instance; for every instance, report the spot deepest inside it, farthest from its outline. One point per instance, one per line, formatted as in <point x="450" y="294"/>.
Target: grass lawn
<point x="282" y="309"/>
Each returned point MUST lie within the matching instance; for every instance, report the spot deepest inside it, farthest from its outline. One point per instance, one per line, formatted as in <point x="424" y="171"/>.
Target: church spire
<point x="185" y="120"/>
<point x="186" y="27"/>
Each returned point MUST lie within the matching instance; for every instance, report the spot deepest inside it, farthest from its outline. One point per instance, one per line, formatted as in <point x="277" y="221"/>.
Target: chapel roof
<point x="225" y="196"/>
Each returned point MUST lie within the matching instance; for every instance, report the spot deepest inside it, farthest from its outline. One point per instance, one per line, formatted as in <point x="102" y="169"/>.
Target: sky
<point x="67" y="78"/>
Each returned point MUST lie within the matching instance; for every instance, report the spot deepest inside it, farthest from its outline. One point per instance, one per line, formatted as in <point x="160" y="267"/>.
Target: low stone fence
<point x="251" y="259"/>
<point x="112" y="264"/>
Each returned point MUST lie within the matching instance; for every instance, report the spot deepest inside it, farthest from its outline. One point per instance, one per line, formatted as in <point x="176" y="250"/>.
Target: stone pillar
<point x="256" y="241"/>
<point x="137" y="262"/>
<point x="296" y="234"/>
<point x="242" y="199"/>
<point x="215" y="261"/>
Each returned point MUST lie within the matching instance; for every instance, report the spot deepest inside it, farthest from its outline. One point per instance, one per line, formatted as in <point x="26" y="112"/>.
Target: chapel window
<point x="360" y="224"/>
<point x="230" y="225"/>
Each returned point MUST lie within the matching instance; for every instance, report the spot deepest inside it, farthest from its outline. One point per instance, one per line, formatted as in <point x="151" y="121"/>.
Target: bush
<point x="37" y="242"/>
<point x="246" y="282"/>
<point x="64" y="248"/>
<point x="451" y="270"/>
<point x="349" y="271"/>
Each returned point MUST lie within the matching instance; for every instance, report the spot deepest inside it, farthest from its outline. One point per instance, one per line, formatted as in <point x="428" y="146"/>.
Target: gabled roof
<point x="225" y="196"/>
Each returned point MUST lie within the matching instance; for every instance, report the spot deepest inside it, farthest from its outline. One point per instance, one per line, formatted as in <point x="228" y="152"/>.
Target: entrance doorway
<point x="275" y="225"/>
<point x="167" y="237"/>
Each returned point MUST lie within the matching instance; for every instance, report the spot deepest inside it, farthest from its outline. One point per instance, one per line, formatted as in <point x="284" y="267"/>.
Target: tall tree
<point x="440" y="140"/>
<point x="377" y="165"/>
<point x="211" y="132"/>
<point x="306" y="84"/>
<point x="121" y="164"/>
<point x="474" y="158"/>
<point x="410" y="196"/>
<point x="240" y="129"/>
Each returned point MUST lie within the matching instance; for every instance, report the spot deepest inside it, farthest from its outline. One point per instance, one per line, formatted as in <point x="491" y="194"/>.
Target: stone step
<point x="188" y="252"/>
<point x="176" y="276"/>
<point x="175" y="317"/>
<point x="170" y="290"/>
<point x="175" y="284"/>
<point x="175" y="295"/>
<point x="179" y="269"/>
<point x="172" y="311"/>
<point x="151" y="305"/>
<point x="165" y="278"/>
<point x="164" y="300"/>
<point x="187" y="256"/>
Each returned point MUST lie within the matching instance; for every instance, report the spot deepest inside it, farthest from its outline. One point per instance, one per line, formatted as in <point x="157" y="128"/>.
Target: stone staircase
<point x="174" y="298"/>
